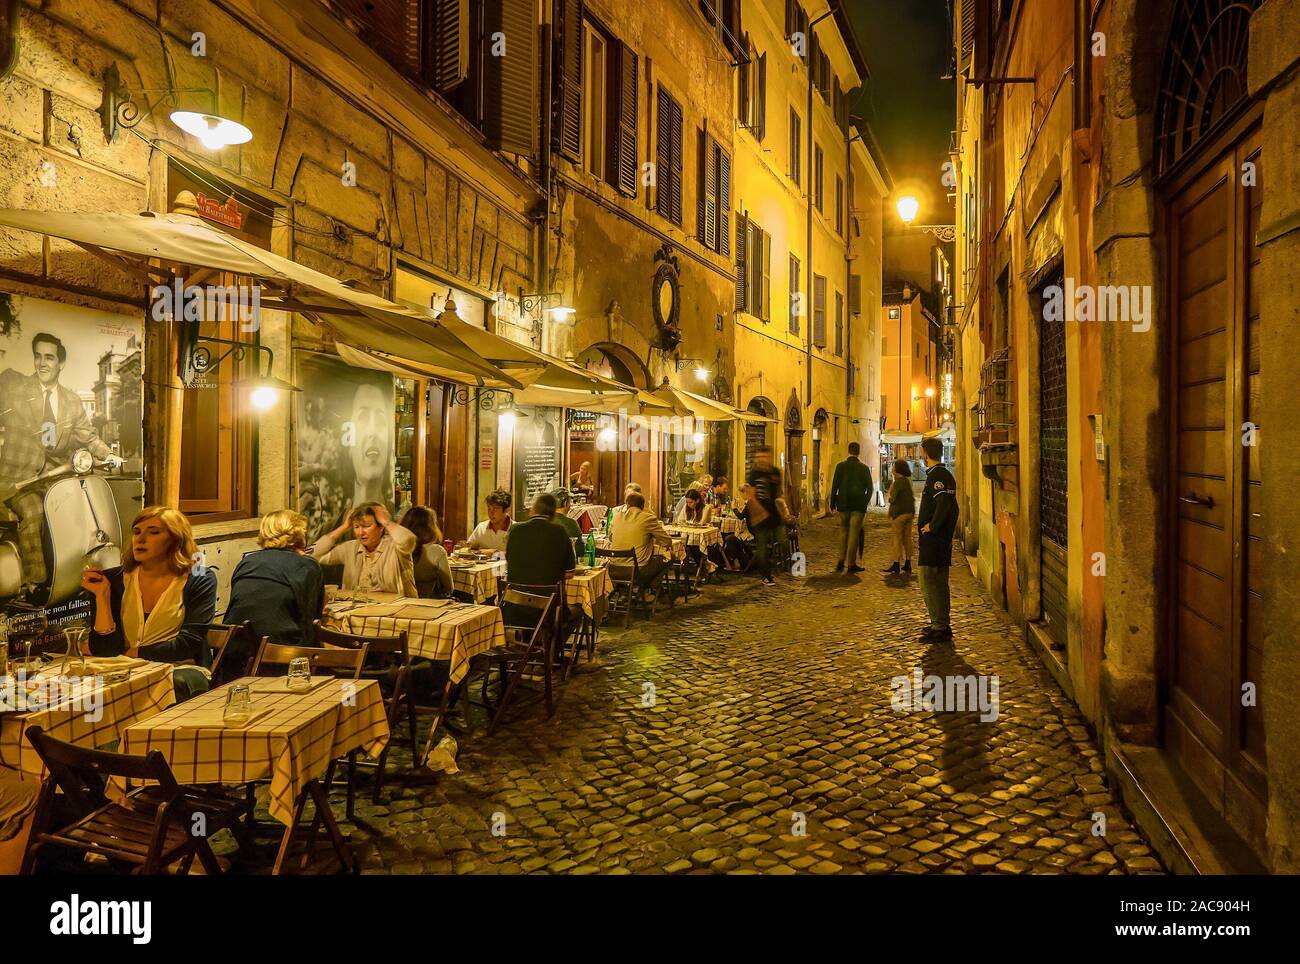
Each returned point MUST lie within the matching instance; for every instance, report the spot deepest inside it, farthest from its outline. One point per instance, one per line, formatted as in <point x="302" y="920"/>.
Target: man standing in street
<point x="764" y="517"/>
<point x="851" y="491"/>
<point x="937" y="520"/>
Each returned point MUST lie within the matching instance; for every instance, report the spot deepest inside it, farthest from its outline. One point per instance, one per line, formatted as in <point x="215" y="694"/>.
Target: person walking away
<point x="764" y="516"/>
<point x="902" y="510"/>
<point x="851" y="490"/>
<point x="937" y="521"/>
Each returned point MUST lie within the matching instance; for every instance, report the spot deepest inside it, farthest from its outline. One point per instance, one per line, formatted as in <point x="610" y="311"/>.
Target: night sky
<point x="907" y="103"/>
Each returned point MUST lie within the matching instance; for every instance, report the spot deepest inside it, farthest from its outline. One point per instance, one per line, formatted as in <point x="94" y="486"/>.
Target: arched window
<point x="1204" y="77"/>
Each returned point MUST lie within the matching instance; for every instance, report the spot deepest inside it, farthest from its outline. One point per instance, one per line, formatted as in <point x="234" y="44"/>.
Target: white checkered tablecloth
<point x="590" y="590"/>
<point x="439" y="629"/>
<point x="479" y="582"/>
<point x="87" y="711"/>
<point x="290" y="739"/>
<point x="702" y="536"/>
<point x="729" y="524"/>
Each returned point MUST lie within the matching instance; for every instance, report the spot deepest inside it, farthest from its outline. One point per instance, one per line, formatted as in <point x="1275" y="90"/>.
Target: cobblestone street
<point x="772" y="747"/>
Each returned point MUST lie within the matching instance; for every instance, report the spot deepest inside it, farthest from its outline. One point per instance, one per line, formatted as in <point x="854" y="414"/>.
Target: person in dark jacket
<point x="902" y="509"/>
<point x="539" y="553"/>
<point x="851" y="490"/>
<point x="937" y="520"/>
<point x="764" y="516"/>
<point x="277" y="588"/>
<point x="158" y="605"/>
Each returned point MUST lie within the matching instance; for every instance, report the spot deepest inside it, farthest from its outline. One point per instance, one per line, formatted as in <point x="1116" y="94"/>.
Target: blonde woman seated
<point x="278" y="588"/>
<point x="378" y="558"/>
<point x="158" y="604"/>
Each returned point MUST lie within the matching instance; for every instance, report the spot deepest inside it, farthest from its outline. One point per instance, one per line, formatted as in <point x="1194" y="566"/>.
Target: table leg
<point x="436" y="721"/>
<point x="346" y="857"/>
<point x="289" y="832"/>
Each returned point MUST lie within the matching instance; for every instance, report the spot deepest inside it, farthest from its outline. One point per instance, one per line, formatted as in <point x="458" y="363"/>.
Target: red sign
<point x="227" y="213"/>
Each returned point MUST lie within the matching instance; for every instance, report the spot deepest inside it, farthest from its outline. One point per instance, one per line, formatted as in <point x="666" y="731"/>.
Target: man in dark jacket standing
<point x="851" y="490"/>
<point x="937" y="520"/>
<point x="764" y="516"/>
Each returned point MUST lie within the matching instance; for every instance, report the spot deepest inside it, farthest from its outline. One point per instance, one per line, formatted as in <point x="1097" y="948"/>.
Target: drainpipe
<point x="810" y="173"/>
<point x="9" y="55"/>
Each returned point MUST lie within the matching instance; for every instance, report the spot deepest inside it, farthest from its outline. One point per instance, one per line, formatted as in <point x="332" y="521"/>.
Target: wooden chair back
<point x="82" y="773"/>
<point x="276" y="654"/>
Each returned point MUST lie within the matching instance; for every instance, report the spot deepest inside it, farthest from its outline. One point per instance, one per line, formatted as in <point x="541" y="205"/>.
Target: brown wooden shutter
<point x="855" y="294"/>
<point x="744" y="103"/>
<point x="724" y="203"/>
<point x="626" y="117"/>
<point x="767" y="277"/>
<point x="701" y="194"/>
<point x="760" y="110"/>
<point x="732" y="37"/>
<point x="819" y="310"/>
<point x="510" y="81"/>
<point x="389" y="27"/>
<point x="967" y="15"/>
<point x="675" y="129"/>
<point x="663" y="154"/>
<point x="710" y="10"/>
<point x="446" y="43"/>
<point x="710" y="194"/>
<point x="568" y="79"/>
<point x="789" y="18"/>
<point x="742" y="265"/>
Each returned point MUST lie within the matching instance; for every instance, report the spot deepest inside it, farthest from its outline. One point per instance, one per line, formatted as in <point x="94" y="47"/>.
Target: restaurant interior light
<point x="264" y="390"/>
<point x="213" y="131"/>
<point x="506" y="420"/>
<point x="908" y="207"/>
<point x="562" y="313"/>
<point x="929" y="393"/>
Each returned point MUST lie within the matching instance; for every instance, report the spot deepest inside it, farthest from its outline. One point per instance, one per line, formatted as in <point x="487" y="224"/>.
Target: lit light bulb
<point x="213" y="132"/>
<point x="606" y="436"/>
<point x="507" y="421"/>
<point x="929" y="393"/>
<point x="263" y="397"/>
<point x="702" y="374"/>
<point x="908" y="207"/>
<point x="699" y="438"/>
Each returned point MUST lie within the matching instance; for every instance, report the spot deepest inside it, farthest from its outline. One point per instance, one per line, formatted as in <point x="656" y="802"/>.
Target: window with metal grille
<point x="1053" y="432"/>
<point x="796" y="296"/>
<point x="795" y="144"/>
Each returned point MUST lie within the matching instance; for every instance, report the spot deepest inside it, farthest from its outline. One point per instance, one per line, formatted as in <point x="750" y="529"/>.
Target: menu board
<point x="537" y="455"/>
<point x="582" y="426"/>
<point x="755" y="438"/>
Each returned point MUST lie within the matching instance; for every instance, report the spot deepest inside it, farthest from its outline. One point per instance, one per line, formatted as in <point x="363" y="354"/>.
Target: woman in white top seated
<point x="694" y="510"/>
<point x="493" y="531"/>
<point x="432" y="568"/>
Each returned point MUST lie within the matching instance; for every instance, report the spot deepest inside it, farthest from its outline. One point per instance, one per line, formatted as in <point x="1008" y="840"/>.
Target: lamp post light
<point x="908" y="207"/>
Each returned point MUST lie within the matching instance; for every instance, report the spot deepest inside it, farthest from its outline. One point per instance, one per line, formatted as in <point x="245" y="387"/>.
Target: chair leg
<point x="346" y="857"/>
<point x="211" y="866"/>
<point x="352" y="784"/>
<point x="549" y="653"/>
<point x="290" y="832"/>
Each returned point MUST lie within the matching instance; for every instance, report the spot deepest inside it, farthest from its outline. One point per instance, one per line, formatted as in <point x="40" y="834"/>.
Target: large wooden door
<point x="1213" y="721"/>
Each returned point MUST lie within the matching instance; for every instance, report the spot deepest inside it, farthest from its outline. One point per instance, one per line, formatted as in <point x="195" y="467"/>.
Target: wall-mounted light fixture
<point x="197" y="355"/>
<point x="118" y="110"/>
<point x="526" y="303"/>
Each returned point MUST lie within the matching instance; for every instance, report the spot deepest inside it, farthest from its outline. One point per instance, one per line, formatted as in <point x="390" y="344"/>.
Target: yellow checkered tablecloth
<point x="290" y="739"/>
<point x="479" y="582"/>
<point x="729" y="524"/>
<point x="676" y="554"/>
<point x="590" y="590"/>
<point x="87" y="711"/>
<point x="702" y="536"/>
<point x="437" y="629"/>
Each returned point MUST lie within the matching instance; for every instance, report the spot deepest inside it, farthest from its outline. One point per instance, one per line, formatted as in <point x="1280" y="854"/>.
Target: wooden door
<point x="1214" y="730"/>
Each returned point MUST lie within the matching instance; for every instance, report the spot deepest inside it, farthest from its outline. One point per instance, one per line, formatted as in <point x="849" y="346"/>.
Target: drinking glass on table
<point x="299" y="674"/>
<point x="239" y="703"/>
<point x="75" y="661"/>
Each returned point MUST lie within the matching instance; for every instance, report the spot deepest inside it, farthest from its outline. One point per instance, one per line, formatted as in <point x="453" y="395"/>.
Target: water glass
<point x="299" y="674"/>
<point x="239" y="703"/>
<point x="331" y="593"/>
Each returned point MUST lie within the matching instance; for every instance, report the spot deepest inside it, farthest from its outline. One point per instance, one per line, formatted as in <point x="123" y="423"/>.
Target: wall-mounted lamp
<point x="118" y="111"/>
<point x="527" y="303"/>
<point x="195" y="359"/>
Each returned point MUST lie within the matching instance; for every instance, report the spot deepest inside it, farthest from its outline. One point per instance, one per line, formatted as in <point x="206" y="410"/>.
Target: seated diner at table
<point x="432" y="568"/>
<point x="638" y="529"/>
<point x="377" y="558"/>
<point x="581" y="480"/>
<point x="278" y="588"/>
<point x="493" y="531"/>
<point x="562" y="514"/>
<point x="694" y="511"/>
<point x="540" y="553"/>
<point x="718" y="494"/>
<point x="158" y="603"/>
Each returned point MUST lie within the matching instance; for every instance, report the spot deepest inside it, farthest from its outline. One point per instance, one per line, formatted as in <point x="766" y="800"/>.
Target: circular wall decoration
<point x="665" y="301"/>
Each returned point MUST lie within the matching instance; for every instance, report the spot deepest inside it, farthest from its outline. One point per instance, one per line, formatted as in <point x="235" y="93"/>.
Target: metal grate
<point x="997" y="406"/>
<point x="1053" y="434"/>
<point x="1204" y="75"/>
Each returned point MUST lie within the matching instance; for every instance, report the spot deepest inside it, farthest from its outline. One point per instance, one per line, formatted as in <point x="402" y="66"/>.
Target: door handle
<point x="1193" y="499"/>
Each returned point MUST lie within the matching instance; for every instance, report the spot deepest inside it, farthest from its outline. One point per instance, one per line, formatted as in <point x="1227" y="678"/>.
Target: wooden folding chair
<point x="225" y="643"/>
<point x="526" y="646"/>
<point x="633" y="591"/>
<point x="386" y="655"/>
<point x="149" y="831"/>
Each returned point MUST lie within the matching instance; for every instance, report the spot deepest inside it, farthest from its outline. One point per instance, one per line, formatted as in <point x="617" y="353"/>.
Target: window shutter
<point x="510" y="81"/>
<point x="732" y="38"/>
<point x="755" y="270"/>
<point x="710" y="10"/>
<point x="789" y="18"/>
<point x="701" y="191"/>
<point x="744" y="103"/>
<point x="767" y="276"/>
<point x="813" y="55"/>
<point x="760" y="110"/>
<point x="855" y="294"/>
<point x="819" y="311"/>
<point x="675" y="129"/>
<point x="626" y="120"/>
<point x="446" y="43"/>
<point x="724" y="203"/>
<point x="967" y="33"/>
<point x="663" y="154"/>
<point x="568" y="123"/>
<point x="742" y="226"/>
<point x="839" y="323"/>
<point x="710" y="194"/>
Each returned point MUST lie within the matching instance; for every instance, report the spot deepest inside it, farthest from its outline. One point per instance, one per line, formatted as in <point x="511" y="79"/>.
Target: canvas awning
<point x="704" y="409"/>
<point x="356" y="318"/>
<point x="900" y="438"/>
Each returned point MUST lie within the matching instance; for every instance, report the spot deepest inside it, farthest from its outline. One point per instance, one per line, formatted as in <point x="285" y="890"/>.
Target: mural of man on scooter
<point x="45" y="426"/>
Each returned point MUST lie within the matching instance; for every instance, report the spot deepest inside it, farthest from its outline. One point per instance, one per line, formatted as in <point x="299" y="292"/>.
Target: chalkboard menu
<point x="755" y="438"/>
<point x="537" y="455"/>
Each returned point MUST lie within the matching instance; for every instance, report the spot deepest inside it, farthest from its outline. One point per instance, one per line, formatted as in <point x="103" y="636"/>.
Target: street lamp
<point x="908" y="207"/>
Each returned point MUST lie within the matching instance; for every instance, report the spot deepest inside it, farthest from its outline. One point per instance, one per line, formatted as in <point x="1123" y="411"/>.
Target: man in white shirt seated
<point x="635" y="528"/>
<point x="493" y="531"/>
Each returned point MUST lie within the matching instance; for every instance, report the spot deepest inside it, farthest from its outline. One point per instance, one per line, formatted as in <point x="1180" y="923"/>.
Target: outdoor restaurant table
<point x="729" y="524"/>
<point x="79" y="714"/>
<point x="290" y="740"/>
<point x="676" y="554"/>
<point x="594" y="514"/>
<point x="693" y="535"/>
<point x="590" y="589"/>
<point x="479" y="580"/>
<point x="443" y="630"/>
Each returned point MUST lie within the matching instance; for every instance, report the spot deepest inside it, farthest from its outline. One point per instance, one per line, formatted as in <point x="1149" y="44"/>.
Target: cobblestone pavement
<point x="771" y="747"/>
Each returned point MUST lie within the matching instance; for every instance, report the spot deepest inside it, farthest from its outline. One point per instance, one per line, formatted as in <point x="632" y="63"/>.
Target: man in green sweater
<point x="851" y="491"/>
